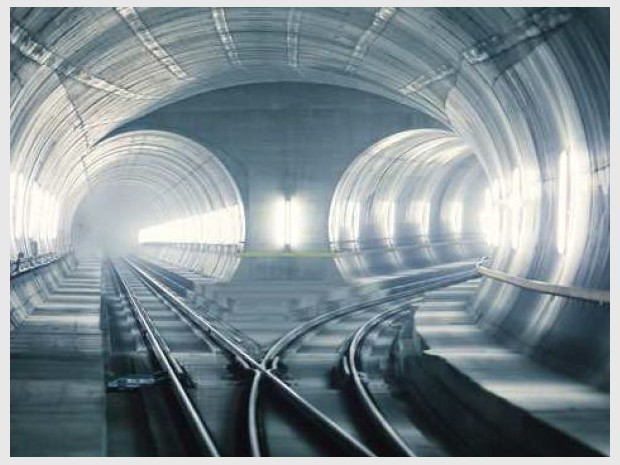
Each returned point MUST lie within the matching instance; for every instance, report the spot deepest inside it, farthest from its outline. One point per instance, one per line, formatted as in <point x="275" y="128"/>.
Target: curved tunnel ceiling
<point x="503" y="79"/>
<point x="526" y="89"/>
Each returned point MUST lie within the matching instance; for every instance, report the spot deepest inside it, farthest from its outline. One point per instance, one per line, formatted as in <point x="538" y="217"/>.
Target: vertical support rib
<point x="379" y="21"/>
<point x="292" y="36"/>
<point x="144" y="35"/>
<point x="221" y="25"/>
<point x="31" y="49"/>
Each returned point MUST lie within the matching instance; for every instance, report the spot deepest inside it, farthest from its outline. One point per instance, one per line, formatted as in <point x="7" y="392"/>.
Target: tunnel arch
<point x="184" y="181"/>
<point x="459" y="77"/>
<point x="519" y="86"/>
<point x="405" y="203"/>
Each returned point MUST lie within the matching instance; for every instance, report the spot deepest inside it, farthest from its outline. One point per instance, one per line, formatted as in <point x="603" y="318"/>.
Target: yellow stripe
<point x="276" y="254"/>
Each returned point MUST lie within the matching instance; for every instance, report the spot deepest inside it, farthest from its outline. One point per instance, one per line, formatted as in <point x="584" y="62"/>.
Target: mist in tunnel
<point x="146" y="192"/>
<point x="107" y="220"/>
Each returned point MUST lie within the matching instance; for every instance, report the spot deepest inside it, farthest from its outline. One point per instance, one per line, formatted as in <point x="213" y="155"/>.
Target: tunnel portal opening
<point x="161" y="195"/>
<point x="416" y="198"/>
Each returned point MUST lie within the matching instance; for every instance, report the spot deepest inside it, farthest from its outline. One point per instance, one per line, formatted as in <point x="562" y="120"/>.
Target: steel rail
<point x="352" y="359"/>
<point x="254" y="433"/>
<point x="271" y="357"/>
<point x="250" y="344"/>
<point x="224" y="342"/>
<point x="169" y="366"/>
<point x="591" y="295"/>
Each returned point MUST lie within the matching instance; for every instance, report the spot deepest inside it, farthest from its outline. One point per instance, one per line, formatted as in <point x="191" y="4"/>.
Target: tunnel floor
<point x="452" y="336"/>
<point x="57" y="371"/>
<point x="449" y="388"/>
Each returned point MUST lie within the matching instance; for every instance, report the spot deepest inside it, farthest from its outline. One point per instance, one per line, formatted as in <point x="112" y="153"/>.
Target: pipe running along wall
<point x="519" y="86"/>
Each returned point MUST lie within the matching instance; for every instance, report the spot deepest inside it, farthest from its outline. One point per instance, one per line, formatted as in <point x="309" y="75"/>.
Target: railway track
<point x="309" y="357"/>
<point x="169" y="341"/>
<point x="366" y="365"/>
<point x="234" y="400"/>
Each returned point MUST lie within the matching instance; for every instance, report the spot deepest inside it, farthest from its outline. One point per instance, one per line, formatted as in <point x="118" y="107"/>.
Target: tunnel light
<point x="353" y="223"/>
<point x="34" y="210"/>
<point x="530" y="183"/>
<point x="456" y="218"/>
<point x="42" y="209"/>
<point x="48" y="218"/>
<point x="496" y="212"/>
<point x="17" y="197"/>
<point x="515" y="204"/>
<point x="425" y="218"/>
<point x="490" y="217"/>
<point x="53" y="219"/>
<point x="387" y="219"/>
<point x="287" y="222"/>
<point x="421" y="213"/>
<point x="391" y="219"/>
<point x="280" y="226"/>
<point x="219" y="226"/>
<point x="495" y="190"/>
<point x="563" y="192"/>
<point x="485" y="217"/>
<point x="357" y="221"/>
<point x="12" y="188"/>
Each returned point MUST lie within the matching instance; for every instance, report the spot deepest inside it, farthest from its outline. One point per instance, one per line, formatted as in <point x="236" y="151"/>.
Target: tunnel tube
<point x="196" y="216"/>
<point x="187" y="208"/>
<point x="520" y="86"/>
<point x="409" y="201"/>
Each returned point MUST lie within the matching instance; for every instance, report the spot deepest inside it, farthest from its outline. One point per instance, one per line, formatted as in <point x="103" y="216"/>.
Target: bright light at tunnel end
<point x="220" y="226"/>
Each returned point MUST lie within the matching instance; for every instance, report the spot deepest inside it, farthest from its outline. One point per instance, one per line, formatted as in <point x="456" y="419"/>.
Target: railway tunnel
<point x="309" y="231"/>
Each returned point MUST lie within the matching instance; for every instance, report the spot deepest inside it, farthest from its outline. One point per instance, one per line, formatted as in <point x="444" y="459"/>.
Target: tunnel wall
<point x="553" y="98"/>
<point x="285" y="138"/>
<point x="519" y="85"/>
<point x="31" y="289"/>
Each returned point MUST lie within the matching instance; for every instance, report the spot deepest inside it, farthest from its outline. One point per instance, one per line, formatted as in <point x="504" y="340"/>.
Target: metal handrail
<point x="591" y="295"/>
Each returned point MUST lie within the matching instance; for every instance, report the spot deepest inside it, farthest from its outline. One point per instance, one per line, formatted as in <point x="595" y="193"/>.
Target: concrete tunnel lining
<point x="516" y="101"/>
